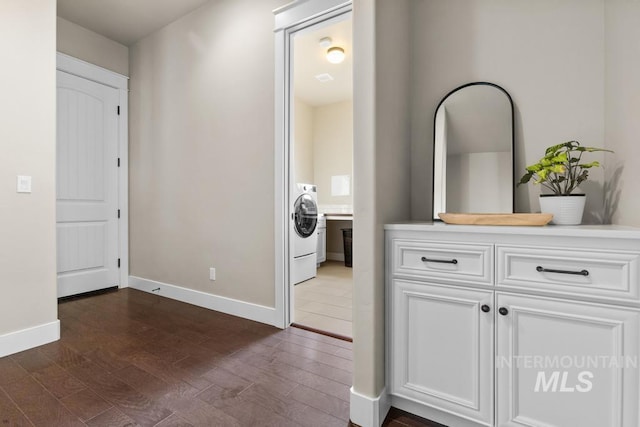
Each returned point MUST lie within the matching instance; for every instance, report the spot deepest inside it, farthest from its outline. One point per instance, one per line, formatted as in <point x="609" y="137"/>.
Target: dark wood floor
<point x="128" y="358"/>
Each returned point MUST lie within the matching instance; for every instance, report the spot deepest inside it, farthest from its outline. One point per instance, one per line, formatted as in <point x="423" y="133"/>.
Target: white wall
<point x="333" y="149"/>
<point x="27" y="147"/>
<point x="92" y="47"/>
<point x="323" y="147"/>
<point x="381" y="170"/>
<point x="202" y="151"/>
<point x="548" y="54"/>
<point x="303" y="159"/>
<point x="622" y="127"/>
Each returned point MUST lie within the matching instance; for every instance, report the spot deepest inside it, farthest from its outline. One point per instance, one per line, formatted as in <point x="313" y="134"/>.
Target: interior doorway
<point x="91" y="178"/>
<point x="321" y="172"/>
<point x="86" y="185"/>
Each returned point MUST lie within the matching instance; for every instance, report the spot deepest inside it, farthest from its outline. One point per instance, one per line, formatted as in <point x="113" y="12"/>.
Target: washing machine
<point x="305" y="237"/>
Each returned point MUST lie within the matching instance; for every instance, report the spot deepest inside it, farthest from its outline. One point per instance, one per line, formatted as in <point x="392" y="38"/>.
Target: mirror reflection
<point x="473" y="151"/>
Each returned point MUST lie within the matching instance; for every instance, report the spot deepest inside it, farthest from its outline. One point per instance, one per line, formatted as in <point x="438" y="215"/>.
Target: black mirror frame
<point x="513" y="144"/>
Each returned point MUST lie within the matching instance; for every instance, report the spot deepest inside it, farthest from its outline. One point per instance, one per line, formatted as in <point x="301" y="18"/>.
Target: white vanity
<point x="514" y="326"/>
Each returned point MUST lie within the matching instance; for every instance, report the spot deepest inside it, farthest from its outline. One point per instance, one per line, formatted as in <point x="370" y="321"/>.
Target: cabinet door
<point x="321" y="252"/>
<point x="441" y="348"/>
<point x="566" y="364"/>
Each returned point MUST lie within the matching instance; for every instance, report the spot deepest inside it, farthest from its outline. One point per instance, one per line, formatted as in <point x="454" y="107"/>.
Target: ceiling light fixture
<point x="335" y="55"/>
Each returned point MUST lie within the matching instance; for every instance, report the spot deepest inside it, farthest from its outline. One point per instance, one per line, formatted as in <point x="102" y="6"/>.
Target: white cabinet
<point x="514" y="326"/>
<point x="562" y="363"/>
<point x="574" y="272"/>
<point x="442" y="347"/>
<point x="321" y="252"/>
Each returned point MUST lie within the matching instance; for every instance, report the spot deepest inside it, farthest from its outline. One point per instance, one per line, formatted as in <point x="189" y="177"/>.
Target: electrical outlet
<point x="212" y="274"/>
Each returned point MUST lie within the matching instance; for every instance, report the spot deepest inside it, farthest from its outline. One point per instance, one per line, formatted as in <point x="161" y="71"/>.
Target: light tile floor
<point x="325" y="301"/>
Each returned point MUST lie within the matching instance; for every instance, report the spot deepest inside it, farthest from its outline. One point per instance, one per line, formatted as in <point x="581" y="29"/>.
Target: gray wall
<point x="622" y="127"/>
<point x="548" y="54"/>
<point x="381" y="169"/>
<point x="92" y="47"/>
<point x="202" y="151"/>
<point x="571" y="67"/>
<point x="28" y="147"/>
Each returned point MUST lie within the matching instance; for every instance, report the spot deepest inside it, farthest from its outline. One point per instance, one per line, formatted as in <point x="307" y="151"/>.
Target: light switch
<point x="24" y="184"/>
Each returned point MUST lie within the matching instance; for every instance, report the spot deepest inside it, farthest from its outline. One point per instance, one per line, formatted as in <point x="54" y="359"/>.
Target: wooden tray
<point x="496" y="219"/>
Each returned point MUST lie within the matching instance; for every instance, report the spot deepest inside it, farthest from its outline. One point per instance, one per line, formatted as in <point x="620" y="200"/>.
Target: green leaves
<point x="542" y="176"/>
<point x="589" y="165"/>
<point x="592" y="149"/>
<point x="559" y="170"/>
<point x="567" y="146"/>
<point x="526" y="178"/>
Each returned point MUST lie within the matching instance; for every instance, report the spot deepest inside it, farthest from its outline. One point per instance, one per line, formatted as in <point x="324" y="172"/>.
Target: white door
<point x="564" y="364"/>
<point x="442" y="348"/>
<point x="86" y="185"/>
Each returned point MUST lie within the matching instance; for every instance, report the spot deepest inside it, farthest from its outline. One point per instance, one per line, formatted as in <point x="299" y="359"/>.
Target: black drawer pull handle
<point x="443" y="261"/>
<point x="549" y="270"/>
<point x="503" y="311"/>
<point x="485" y="308"/>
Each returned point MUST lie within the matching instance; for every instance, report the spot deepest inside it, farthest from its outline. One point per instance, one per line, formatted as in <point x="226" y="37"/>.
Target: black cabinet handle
<point x="485" y="308"/>
<point x="550" y="270"/>
<point x="442" y="261"/>
<point x="503" y="311"/>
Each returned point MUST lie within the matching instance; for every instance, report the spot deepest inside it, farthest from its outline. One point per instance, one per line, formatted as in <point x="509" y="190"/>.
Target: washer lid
<point x="305" y="215"/>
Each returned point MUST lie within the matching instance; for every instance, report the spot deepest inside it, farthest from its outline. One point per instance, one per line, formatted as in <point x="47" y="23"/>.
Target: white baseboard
<point x="368" y="411"/>
<point x="15" y="342"/>
<point x="335" y="256"/>
<point x="247" y="310"/>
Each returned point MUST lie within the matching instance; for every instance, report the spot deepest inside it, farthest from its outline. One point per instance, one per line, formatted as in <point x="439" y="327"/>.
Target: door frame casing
<point x="289" y="19"/>
<point x="86" y="70"/>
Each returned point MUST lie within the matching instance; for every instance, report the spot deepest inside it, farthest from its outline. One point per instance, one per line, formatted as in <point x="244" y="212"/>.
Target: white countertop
<point x="338" y="217"/>
<point x="616" y="231"/>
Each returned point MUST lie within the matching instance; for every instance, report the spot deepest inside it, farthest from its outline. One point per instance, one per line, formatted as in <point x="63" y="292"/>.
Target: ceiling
<point x="310" y="60"/>
<point x="125" y="21"/>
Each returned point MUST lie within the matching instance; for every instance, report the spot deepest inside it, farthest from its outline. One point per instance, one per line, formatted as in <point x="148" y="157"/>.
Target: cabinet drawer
<point x="445" y="261"/>
<point x="606" y="274"/>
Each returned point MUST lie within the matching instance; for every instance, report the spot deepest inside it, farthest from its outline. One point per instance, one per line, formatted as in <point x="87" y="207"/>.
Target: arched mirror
<point x="473" y="151"/>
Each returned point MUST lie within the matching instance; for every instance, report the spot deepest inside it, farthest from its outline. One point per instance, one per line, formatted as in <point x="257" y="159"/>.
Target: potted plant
<point x="561" y="170"/>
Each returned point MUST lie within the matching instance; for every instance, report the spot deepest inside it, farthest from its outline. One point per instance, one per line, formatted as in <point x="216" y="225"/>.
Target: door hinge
<point x="118" y="110"/>
<point x="118" y="262"/>
<point x="118" y="213"/>
<point x="118" y="161"/>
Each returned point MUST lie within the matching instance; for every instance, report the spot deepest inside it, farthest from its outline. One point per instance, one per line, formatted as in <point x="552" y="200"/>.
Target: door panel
<point x="562" y="364"/>
<point x="83" y="245"/>
<point x="443" y="348"/>
<point x="86" y="185"/>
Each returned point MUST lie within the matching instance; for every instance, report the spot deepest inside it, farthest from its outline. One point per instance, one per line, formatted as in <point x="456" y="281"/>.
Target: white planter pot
<point x="566" y="210"/>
